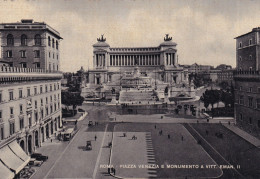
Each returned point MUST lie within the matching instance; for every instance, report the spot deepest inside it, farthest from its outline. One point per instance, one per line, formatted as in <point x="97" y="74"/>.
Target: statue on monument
<point x="102" y="39"/>
<point x="167" y="38"/>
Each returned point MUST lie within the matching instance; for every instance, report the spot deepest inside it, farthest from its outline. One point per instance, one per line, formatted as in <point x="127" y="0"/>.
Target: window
<point x="53" y="57"/>
<point x="250" y="42"/>
<point x="36" y="116"/>
<point x="250" y="89"/>
<point x="11" y="112"/>
<point x="23" y="40"/>
<point x="51" y="109"/>
<point x="47" y="111"/>
<point x="9" y="53"/>
<point x="23" y="65"/>
<point x="250" y="101"/>
<point x="28" y="91"/>
<point x="37" y="65"/>
<point x="2" y="132"/>
<point x="46" y="100"/>
<point x="21" y="123"/>
<point x="1" y="97"/>
<point x="46" y="88"/>
<point x="12" y="128"/>
<point x="40" y="89"/>
<point x="37" y="40"/>
<point x="50" y="87"/>
<point x="30" y="121"/>
<point x="41" y="102"/>
<point x="241" y="116"/>
<point x="10" y="40"/>
<point x="51" y="98"/>
<point x="21" y="109"/>
<point x="58" y="86"/>
<point x="250" y="57"/>
<point x="35" y="104"/>
<point x="258" y="103"/>
<point x="35" y="90"/>
<point x="49" y="41"/>
<point x="241" y="100"/>
<point x="42" y="114"/>
<point x="54" y="86"/>
<point x="57" y="45"/>
<point x="37" y="54"/>
<point x="57" y="57"/>
<point x="250" y="69"/>
<point x="49" y="54"/>
<point x="0" y="115"/>
<point x="11" y="95"/>
<point x="240" y="45"/>
<point x="250" y="120"/>
<point x="23" y="54"/>
<point x="53" y="42"/>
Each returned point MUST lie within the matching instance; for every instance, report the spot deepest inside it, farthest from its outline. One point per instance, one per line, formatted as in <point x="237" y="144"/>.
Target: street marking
<point x="62" y="153"/>
<point x="99" y="153"/>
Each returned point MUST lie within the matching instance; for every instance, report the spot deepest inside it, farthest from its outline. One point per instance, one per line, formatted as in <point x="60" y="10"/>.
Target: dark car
<point x="39" y="156"/>
<point x="81" y="110"/>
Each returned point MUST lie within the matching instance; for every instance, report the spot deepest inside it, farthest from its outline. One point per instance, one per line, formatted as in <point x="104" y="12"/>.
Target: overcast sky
<point x="203" y="29"/>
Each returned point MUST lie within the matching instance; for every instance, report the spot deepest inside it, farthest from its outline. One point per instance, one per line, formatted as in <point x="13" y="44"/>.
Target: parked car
<point x="81" y="110"/>
<point x="88" y="145"/>
<point x="35" y="162"/>
<point x="39" y="156"/>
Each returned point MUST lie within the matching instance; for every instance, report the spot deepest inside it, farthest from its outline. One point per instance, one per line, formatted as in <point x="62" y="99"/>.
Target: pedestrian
<point x="182" y="138"/>
<point x="169" y="136"/>
<point x="51" y="140"/>
<point x="95" y="137"/>
<point x="108" y="170"/>
<point x="155" y="126"/>
<point x="114" y="171"/>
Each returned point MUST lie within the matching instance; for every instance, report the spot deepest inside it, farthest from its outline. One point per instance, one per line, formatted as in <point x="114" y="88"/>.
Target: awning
<point x="5" y="172"/>
<point x="15" y="147"/>
<point x="11" y="160"/>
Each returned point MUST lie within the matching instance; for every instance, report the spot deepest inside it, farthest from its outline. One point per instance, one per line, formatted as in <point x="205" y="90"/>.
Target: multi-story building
<point x="29" y="44"/>
<point x="30" y="92"/>
<point x="195" y="68"/>
<point x="247" y="81"/>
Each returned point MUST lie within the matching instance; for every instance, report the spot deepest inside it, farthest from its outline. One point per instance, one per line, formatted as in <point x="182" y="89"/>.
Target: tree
<point x="71" y="99"/>
<point x="210" y="97"/>
<point x="227" y="98"/>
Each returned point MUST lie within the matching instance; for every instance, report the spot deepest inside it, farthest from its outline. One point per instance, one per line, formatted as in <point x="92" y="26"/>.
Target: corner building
<point x="247" y="82"/>
<point x="30" y="84"/>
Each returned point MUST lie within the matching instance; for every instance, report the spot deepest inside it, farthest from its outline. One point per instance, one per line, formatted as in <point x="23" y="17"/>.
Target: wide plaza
<point x="167" y="148"/>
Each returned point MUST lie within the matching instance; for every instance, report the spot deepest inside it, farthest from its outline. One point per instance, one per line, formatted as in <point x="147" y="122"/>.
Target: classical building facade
<point x="29" y="44"/>
<point x="116" y="65"/>
<point x="247" y="82"/>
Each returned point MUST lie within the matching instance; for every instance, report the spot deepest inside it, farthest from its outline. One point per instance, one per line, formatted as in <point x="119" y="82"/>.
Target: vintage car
<point x="35" y="162"/>
<point x="39" y="156"/>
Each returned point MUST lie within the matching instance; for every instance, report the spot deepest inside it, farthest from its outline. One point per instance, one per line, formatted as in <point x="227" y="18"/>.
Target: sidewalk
<point x="253" y="140"/>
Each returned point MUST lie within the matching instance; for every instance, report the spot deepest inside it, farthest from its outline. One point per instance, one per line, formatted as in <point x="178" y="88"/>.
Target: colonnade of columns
<point x="170" y="59"/>
<point x="100" y="60"/>
<point x="131" y="60"/>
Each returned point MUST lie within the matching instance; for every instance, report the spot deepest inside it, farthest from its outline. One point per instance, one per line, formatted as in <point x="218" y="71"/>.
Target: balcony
<point x="9" y="74"/>
<point x="247" y="75"/>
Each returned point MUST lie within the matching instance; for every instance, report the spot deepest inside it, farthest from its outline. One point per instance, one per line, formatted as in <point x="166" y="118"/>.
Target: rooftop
<point x="257" y="29"/>
<point x="28" y="24"/>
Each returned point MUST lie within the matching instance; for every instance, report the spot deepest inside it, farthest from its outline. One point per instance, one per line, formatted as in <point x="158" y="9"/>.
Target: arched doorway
<point x="36" y="139"/>
<point x="51" y="127"/>
<point x="47" y="130"/>
<point x="30" y="144"/>
<point x="42" y="133"/>
<point x="22" y="144"/>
